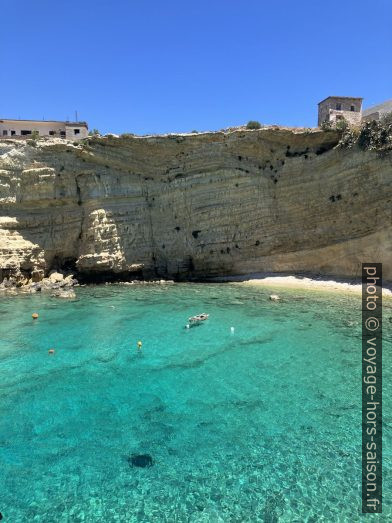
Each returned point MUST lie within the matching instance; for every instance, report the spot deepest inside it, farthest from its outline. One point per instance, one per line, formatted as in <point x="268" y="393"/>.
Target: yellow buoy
<point x="34" y="315"/>
<point x="139" y="344"/>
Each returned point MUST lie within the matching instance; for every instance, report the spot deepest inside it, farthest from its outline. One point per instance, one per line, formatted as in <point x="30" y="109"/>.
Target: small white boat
<point x="196" y="320"/>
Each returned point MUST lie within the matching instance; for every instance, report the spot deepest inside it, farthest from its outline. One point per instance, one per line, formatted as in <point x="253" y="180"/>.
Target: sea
<point x="254" y="415"/>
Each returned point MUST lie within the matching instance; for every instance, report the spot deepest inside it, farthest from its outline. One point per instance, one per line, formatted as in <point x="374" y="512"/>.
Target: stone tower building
<point x="336" y="108"/>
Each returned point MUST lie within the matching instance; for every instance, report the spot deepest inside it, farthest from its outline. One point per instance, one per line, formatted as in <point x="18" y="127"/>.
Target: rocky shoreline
<point x="61" y="285"/>
<point x="58" y="284"/>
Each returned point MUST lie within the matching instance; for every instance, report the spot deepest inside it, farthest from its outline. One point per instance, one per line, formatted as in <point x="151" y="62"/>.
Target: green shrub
<point x="94" y="132"/>
<point x="376" y="136"/>
<point x="373" y="136"/>
<point x="253" y="124"/>
<point x="33" y="137"/>
<point x="341" y="125"/>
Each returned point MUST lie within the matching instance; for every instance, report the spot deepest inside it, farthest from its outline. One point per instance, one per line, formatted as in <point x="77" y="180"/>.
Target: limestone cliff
<point x="195" y="206"/>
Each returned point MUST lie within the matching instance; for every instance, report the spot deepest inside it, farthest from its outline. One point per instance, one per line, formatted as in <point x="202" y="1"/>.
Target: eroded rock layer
<point x="195" y="206"/>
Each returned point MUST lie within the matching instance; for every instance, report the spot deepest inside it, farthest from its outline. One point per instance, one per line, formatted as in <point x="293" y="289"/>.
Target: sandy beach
<point x="305" y="283"/>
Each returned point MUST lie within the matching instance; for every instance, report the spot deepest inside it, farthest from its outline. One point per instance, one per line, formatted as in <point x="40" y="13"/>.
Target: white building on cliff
<point x="67" y="130"/>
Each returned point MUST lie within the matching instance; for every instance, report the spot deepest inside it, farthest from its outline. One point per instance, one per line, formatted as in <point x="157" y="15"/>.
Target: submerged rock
<point x="61" y="293"/>
<point x="140" y="460"/>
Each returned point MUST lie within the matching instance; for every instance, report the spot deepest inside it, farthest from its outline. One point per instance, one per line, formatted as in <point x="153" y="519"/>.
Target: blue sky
<point x="170" y="65"/>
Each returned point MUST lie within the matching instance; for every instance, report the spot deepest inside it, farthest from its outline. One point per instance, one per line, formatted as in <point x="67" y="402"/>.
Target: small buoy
<point x="34" y="315"/>
<point x="51" y="351"/>
<point x="139" y="344"/>
<point x="187" y="326"/>
<point x="232" y="330"/>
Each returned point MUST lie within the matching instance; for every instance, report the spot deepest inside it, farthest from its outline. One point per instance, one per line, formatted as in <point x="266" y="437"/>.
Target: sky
<point x="158" y="66"/>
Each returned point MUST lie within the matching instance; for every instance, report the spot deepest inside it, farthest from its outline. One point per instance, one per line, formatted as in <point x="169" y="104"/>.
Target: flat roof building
<point x="68" y="130"/>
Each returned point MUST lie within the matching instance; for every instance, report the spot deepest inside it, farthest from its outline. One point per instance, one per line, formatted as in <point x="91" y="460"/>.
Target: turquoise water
<point x="262" y="424"/>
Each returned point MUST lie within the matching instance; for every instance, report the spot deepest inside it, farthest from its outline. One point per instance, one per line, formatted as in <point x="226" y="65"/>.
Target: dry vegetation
<point x="372" y="136"/>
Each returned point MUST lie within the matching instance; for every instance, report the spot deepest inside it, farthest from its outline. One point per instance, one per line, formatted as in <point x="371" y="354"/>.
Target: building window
<point x="62" y="134"/>
<point x="339" y="117"/>
<point x="25" y="133"/>
<point x="13" y="133"/>
<point x="76" y="131"/>
<point x="352" y="108"/>
<point x="52" y="133"/>
<point x="338" y="107"/>
<point x="5" y="132"/>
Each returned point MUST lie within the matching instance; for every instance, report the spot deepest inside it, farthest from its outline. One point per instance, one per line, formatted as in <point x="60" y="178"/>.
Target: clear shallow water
<point x="259" y="425"/>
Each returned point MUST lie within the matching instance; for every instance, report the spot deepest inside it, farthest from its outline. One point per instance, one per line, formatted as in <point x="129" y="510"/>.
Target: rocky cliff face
<point x="195" y="206"/>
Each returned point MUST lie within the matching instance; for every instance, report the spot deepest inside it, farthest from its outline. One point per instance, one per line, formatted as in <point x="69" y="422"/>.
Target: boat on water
<point x="198" y="319"/>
